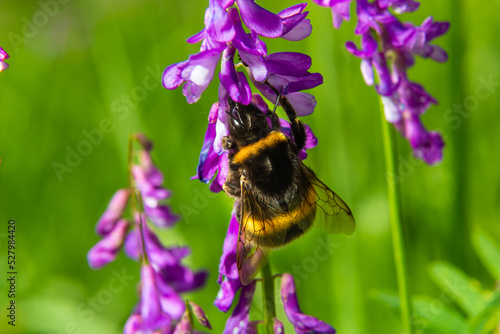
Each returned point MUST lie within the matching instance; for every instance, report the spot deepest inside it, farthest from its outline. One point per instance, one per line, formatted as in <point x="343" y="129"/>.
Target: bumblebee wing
<point x="250" y="257"/>
<point x="338" y="216"/>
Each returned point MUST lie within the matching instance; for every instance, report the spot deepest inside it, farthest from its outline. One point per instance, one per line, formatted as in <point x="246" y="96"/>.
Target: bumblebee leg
<point x="297" y="127"/>
<point x="232" y="184"/>
<point x="298" y="130"/>
<point x="275" y="121"/>
<point x="299" y="134"/>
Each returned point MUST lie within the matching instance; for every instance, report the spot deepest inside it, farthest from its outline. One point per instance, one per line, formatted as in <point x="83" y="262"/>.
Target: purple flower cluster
<point x="388" y="48"/>
<point x="283" y="74"/>
<point x="224" y="34"/>
<point x="3" y="56"/>
<point x="163" y="277"/>
<point x="239" y="321"/>
<point x="286" y="73"/>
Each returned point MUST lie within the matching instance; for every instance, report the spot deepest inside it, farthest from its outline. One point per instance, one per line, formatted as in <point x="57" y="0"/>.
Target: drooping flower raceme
<point x="3" y="56"/>
<point x="224" y="37"/>
<point x="388" y="48"/>
<point x="281" y="74"/>
<point x="230" y="284"/>
<point x="163" y="276"/>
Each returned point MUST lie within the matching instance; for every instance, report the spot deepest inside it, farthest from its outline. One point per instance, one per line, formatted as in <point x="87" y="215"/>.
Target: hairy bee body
<point x="271" y="174"/>
<point x="277" y="196"/>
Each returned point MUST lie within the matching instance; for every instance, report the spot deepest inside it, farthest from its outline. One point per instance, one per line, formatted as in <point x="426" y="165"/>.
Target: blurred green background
<point x="75" y="63"/>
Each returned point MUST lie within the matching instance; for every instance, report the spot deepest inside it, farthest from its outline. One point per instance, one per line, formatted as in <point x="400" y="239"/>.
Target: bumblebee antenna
<point x="278" y="97"/>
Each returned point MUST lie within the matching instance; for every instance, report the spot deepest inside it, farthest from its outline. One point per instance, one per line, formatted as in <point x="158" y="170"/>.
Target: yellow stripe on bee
<point x="254" y="149"/>
<point x="285" y="220"/>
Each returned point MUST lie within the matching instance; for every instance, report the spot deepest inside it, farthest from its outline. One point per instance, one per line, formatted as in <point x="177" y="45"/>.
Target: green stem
<point x="268" y="297"/>
<point x="394" y="198"/>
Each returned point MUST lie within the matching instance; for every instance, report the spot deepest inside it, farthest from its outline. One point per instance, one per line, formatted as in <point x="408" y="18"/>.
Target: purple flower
<point x="234" y="82"/>
<point x="224" y="35"/>
<point x="149" y="181"/>
<point x="3" y="56"/>
<point x="133" y="324"/>
<point x="228" y="289"/>
<point x="157" y="253"/>
<point x="197" y="72"/>
<point x="181" y="278"/>
<point x="152" y="315"/>
<point x="288" y="74"/>
<point x="212" y="159"/>
<point x="303" y="324"/>
<point x="426" y="145"/>
<point x="238" y="322"/>
<point x="260" y="20"/>
<point x="113" y="212"/>
<point x="295" y="26"/>
<point x="227" y="265"/>
<point x="228" y="269"/>
<point x="105" y="251"/>
<point x="399" y="6"/>
<point x="171" y="278"/>
<point x="163" y="277"/>
<point x="389" y="47"/>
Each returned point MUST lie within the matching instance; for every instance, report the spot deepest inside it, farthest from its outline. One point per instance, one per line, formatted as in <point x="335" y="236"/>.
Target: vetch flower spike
<point x="163" y="276"/>
<point x="388" y="48"/>
<point x="223" y="35"/>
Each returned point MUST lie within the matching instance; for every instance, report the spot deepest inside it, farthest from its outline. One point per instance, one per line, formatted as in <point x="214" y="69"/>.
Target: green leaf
<point x="457" y="286"/>
<point x="430" y="315"/>
<point x="488" y="251"/>
<point x="487" y="320"/>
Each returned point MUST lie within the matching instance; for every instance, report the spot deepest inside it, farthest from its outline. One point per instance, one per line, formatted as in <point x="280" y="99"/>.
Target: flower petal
<point x="113" y="212"/>
<point x="151" y="312"/>
<point x="238" y="322"/>
<point x="227" y="291"/>
<point x="105" y="251"/>
<point x="302" y="323"/>
<point x="260" y="20"/>
<point x="426" y="145"/>
<point x="234" y="82"/>
<point x="219" y="26"/>
<point x="227" y="264"/>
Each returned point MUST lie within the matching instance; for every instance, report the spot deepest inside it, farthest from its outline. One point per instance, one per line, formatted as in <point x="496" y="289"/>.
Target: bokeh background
<point x="75" y="63"/>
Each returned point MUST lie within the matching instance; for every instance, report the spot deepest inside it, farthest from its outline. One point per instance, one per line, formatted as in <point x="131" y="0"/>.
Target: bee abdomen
<point x="279" y="235"/>
<point x="284" y="226"/>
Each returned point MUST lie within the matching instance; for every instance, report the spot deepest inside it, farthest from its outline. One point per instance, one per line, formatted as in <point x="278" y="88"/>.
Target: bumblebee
<point x="276" y="195"/>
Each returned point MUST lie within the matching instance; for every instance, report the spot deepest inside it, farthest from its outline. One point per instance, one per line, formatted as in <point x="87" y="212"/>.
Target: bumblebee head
<point x="247" y="122"/>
